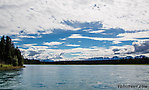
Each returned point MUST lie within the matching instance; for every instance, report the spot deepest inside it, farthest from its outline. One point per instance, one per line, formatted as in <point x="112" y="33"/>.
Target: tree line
<point x="9" y="54"/>
<point x="144" y="60"/>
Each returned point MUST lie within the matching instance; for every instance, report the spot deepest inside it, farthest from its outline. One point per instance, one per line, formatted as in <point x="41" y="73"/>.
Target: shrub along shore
<point x="5" y="67"/>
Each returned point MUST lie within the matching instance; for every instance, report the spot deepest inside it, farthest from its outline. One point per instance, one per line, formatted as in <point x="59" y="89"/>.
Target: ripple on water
<point x="145" y="80"/>
<point x="102" y="86"/>
<point x="9" y="79"/>
<point x="39" y="85"/>
<point x="61" y="83"/>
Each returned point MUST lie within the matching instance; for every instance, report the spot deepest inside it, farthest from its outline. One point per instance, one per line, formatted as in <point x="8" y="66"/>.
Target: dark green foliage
<point x="27" y="61"/>
<point x="19" y="56"/>
<point x="2" y="49"/>
<point x="15" y="61"/>
<point x="144" y="60"/>
<point x="9" y="54"/>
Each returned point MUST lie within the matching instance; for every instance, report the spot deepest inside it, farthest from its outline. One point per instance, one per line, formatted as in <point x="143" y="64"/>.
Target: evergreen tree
<point x="19" y="56"/>
<point x="2" y="49"/>
<point x="9" y="54"/>
<point x="15" y="61"/>
<point x="8" y="50"/>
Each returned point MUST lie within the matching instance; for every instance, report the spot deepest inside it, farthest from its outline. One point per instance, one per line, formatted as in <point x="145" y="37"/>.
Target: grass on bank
<point x="9" y="67"/>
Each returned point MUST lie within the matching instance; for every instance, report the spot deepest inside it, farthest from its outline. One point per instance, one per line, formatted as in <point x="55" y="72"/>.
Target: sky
<point x="76" y="29"/>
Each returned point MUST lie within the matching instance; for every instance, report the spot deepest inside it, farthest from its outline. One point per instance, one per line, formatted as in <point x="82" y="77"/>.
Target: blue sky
<point x="74" y="29"/>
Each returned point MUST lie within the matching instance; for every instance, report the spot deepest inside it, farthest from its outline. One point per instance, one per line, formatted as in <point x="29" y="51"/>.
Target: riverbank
<point x="86" y="64"/>
<point x="5" y="67"/>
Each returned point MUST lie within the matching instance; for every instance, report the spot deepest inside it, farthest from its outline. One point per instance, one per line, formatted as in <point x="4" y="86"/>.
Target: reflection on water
<point x="73" y="77"/>
<point x="10" y="79"/>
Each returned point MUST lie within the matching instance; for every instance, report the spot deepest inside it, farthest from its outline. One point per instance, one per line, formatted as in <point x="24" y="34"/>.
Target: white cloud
<point x="63" y="39"/>
<point x="141" y="47"/>
<point x="17" y="39"/>
<point x="87" y="30"/>
<point x="52" y="43"/>
<point x="43" y="52"/>
<point x="123" y="50"/>
<point x="33" y="15"/>
<point x="38" y="47"/>
<point x="34" y="46"/>
<point x="26" y="36"/>
<point x="101" y="39"/>
<point x="98" y="31"/>
<point x="72" y="45"/>
<point x="143" y="34"/>
<point x="85" y="53"/>
<point x="76" y="36"/>
<point x="15" y="42"/>
<point x="29" y="45"/>
<point x="76" y="29"/>
<point x="116" y="42"/>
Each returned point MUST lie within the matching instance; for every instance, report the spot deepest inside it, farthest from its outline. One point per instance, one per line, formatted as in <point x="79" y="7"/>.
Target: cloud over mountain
<point x="142" y="47"/>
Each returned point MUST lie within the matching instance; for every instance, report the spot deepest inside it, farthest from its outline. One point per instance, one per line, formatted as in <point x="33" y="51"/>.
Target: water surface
<point x="75" y="77"/>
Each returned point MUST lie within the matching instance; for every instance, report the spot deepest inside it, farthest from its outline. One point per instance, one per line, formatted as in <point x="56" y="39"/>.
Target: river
<point x="77" y="77"/>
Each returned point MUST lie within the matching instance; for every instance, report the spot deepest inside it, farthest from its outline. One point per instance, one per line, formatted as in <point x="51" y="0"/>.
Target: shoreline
<point x="140" y="61"/>
<point x="86" y="64"/>
<point x="4" y="67"/>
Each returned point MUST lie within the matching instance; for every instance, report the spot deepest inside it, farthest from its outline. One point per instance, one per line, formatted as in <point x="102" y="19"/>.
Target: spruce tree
<point x="19" y="56"/>
<point x="9" y="54"/>
<point x="8" y="50"/>
<point x="15" y="61"/>
<point x="2" y="49"/>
